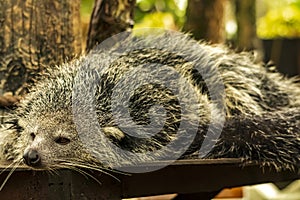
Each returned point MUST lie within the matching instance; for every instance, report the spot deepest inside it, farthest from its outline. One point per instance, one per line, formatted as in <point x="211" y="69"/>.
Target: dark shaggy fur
<point x="261" y="107"/>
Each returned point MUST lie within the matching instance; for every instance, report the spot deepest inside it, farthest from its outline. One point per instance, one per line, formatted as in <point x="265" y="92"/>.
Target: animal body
<point x="234" y="107"/>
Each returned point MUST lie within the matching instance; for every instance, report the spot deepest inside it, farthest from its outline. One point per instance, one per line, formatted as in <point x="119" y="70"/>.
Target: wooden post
<point x="109" y="17"/>
<point x="34" y="35"/>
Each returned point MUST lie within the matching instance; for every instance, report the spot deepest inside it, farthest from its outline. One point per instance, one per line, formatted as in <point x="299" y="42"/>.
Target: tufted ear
<point x="113" y="133"/>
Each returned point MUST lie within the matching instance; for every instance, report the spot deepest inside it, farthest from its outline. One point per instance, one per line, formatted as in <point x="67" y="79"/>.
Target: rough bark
<point x="33" y="35"/>
<point x="108" y="18"/>
<point x="205" y="20"/>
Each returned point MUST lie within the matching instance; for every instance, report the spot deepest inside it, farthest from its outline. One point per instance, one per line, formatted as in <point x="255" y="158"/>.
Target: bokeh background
<point x="269" y="27"/>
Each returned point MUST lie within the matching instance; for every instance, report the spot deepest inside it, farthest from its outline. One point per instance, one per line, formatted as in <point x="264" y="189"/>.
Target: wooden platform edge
<point x="184" y="177"/>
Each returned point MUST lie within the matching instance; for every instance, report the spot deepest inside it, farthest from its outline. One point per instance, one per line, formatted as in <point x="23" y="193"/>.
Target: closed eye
<point x="62" y="140"/>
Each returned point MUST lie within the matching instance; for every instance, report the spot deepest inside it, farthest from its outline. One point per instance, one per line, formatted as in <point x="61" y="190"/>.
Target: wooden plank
<point x="184" y="177"/>
<point x="194" y="176"/>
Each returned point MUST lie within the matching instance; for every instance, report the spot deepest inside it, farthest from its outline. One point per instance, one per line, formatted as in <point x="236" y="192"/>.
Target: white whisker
<point x="92" y="168"/>
<point x="17" y="163"/>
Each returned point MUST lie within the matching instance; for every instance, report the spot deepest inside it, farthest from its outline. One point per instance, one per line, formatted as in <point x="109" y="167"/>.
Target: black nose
<point x="32" y="158"/>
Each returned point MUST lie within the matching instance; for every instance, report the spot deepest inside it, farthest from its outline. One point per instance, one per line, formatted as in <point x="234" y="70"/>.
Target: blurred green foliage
<point x="86" y="8"/>
<point x="160" y="13"/>
<point x="280" y="21"/>
<point x="150" y="13"/>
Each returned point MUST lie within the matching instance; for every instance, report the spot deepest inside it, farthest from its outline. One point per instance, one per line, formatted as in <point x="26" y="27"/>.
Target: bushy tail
<point x="271" y="139"/>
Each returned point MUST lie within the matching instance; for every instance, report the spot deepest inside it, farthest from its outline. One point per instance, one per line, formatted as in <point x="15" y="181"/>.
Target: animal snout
<point x="32" y="158"/>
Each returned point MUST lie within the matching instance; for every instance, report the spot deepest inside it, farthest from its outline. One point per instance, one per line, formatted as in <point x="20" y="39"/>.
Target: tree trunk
<point x="108" y="18"/>
<point x="246" y="22"/>
<point x="205" y="20"/>
<point x="33" y="35"/>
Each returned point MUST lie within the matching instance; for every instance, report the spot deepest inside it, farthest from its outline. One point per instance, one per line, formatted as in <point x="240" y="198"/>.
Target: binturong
<point x="161" y="96"/>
